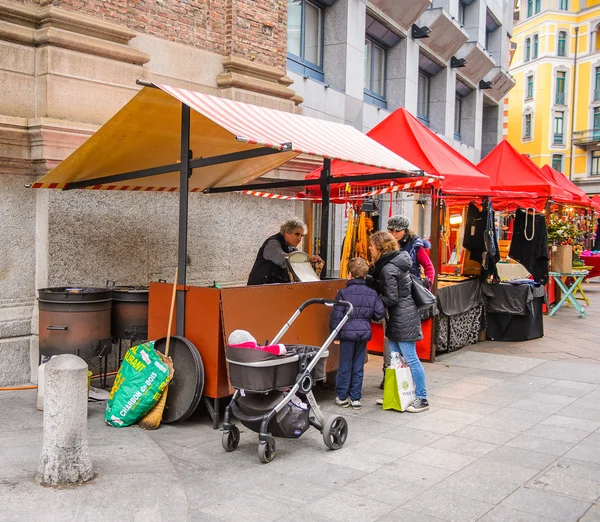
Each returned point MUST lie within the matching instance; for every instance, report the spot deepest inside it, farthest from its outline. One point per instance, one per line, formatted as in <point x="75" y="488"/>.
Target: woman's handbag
<point x="426" y="302"/>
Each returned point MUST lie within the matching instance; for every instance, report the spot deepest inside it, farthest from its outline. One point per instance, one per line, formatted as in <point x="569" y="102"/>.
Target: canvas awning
<point x="579" y="195"/>
<point x="405" y="135"/>
<point x="146" y="135"/>
<point x="509" y="170"/>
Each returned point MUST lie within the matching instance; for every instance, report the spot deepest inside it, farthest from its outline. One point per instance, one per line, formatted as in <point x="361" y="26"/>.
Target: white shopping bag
<point x="399" y="390"/>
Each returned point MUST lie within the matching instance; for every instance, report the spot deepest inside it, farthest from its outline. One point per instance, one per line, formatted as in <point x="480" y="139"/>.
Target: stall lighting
<point x="456" y="219"/>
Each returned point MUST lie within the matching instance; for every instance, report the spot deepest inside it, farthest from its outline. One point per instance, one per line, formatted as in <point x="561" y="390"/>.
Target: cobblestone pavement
<point x="512" y="434"/>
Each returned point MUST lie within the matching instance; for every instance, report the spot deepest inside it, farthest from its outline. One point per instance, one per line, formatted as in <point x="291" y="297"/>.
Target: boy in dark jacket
<point x="355" y="333"/>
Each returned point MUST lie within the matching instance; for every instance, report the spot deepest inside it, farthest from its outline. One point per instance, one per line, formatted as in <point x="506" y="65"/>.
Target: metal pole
<point x="573" y="102"/>
<point x="435" y="259"/>
<point x="184" y="185"/>
<point x="324" y="182"/>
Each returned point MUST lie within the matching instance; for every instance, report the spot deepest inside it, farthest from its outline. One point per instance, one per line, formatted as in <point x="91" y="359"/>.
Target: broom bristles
<point x="153" y="418"/>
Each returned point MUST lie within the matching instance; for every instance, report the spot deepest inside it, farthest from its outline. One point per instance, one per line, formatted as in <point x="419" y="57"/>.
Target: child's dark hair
<point x="358" y="267"/>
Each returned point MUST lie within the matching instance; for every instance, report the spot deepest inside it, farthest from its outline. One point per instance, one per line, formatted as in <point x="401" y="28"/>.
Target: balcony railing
<point x="586" y="138"/>
<point x="558" y="139"/>
<point x="560" y="98"/>
<point x="596" y="95"/>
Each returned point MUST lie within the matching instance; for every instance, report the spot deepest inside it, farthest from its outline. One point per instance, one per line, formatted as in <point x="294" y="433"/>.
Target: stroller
<point x="273" y="394"/>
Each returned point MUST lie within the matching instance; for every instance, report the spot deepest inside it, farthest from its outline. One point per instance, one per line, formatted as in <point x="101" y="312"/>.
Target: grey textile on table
<point x="460" y="297"/>
<point x="511" y="299"/>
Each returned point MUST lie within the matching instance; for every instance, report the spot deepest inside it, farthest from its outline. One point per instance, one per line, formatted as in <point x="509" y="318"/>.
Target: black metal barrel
<point x="130" y="312"/>
<point x="75" y="320"/>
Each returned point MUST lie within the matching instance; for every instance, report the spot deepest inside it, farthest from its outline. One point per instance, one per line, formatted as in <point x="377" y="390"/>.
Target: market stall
<point x="147" y="146"/>
<point x="461" y="182"/>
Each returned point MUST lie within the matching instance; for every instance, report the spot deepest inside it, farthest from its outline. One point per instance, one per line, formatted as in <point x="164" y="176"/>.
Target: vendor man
<point x="270" y="266"/>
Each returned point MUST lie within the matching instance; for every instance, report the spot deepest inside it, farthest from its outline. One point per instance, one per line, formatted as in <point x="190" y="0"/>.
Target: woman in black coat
<point x="390" y="276"/>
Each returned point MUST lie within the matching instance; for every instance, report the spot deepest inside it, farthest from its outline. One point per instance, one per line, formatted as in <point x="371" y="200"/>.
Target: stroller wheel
<point x="335" y="432"/>
<point x="266" y="450"/>
<point x="231" y="438"/>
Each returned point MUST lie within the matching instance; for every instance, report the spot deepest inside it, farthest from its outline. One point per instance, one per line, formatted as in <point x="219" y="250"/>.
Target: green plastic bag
<point x="137" y="387"/>
<point x="398" y="389"/>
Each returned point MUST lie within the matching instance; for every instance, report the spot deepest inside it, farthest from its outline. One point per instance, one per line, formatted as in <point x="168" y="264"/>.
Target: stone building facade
<point x="66" y="66"/>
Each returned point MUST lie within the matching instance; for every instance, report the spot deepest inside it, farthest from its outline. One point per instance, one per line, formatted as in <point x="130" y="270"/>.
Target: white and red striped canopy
<point x="145" y="133"/>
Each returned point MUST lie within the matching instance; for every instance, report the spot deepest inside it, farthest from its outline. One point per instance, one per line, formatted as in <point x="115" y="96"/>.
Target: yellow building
<point x="554" y="108"/>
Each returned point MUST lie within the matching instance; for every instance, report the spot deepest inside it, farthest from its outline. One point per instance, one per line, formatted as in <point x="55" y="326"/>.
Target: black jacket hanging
<point x="529" y="245"/>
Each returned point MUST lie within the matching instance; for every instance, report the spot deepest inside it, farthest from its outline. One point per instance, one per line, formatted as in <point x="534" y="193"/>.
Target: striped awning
<point x="146" y="132"/>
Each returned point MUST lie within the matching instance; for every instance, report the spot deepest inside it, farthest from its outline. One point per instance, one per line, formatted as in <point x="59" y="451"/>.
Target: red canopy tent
<point x="510" y="170"/>
<point x="596" y="202"/>
<point x="579" y="195"/>
<point x="403" y="134"/>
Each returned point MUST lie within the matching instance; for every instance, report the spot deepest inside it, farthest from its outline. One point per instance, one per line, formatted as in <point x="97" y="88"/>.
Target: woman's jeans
<point x="408" y="350"/>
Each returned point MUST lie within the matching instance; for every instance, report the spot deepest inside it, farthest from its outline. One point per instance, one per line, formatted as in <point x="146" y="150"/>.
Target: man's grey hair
<point x="289" y="225"/>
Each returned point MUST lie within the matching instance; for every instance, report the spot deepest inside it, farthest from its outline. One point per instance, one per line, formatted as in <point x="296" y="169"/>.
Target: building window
<point x="457" y="117"/>
<point x="597" y="84"/>
<point x="375" y="58"/>
<point x="596" y="130"/>
<point x="560" y="87"/>
<point x="564" y="5"/>
<point x="527" y="49"/>
<point x="527" y="127"/>
<point x="559" y="118"/>
<point x="595" y="170"/>
<point x="534" y="54"/>
<point x="423" y="95"/>
<point x="305" y="38"/>
<point x="538" y="6"/>
<point x="529" y="91"/>
<point x="562" y="44"/>
<point x="529" y="8"/>
<point x="557" y="162"/>
<point x="461" y="12"/>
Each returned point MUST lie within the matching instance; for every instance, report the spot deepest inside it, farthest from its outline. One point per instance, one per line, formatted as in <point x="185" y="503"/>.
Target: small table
<point x="569" y="290"/>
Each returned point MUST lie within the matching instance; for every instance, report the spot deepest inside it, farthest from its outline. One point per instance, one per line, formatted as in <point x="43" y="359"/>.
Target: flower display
<point x="562" y="231"/>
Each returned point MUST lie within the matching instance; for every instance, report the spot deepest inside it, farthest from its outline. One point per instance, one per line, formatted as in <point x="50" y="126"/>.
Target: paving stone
<point x="592" y="514"/>
<point x="441" y="503"/>
<point x="510" y="419"/>
<point x="434" y="425"/>
<point x="546" y="504"/>
<point x="411" y="436"/>
<point x="572" y="478"/>
<point x="342" y="507"/>
<point x="535" y="382"/>
<point x="460" y="390"/>
<point x="503" y="363"/>
<point x="570" y="388"/>
<point x="571" y="423"/>
<point x="485" y="434"/>
<point x="540" y="444"/>
<point x="247" y="507"/>
<point x="580" y="410"/>
<point x="463" y="417"/>
<point x="370" y="486"/>
<point x="466" y="447"/>
<point x="488" y="481"/>
<point x="533" y="405"/>
<point x="502" y="514"/>
<point x="567" y="371"/>
<point x="359" y="457"/>
<point x="555" y="433"/>
<point x="520" y="457"/>
<point x="408" y="516"/>
<point x="588" y="450"/>
<point x="440" y="458"/>
<point x="493" y="397"/>
<point x="415" y="472"/>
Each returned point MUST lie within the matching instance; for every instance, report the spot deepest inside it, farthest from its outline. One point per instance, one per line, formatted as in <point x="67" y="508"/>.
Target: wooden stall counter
<point x="212" y="314"/>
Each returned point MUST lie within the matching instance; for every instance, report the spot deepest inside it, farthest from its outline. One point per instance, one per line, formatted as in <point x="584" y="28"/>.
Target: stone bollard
<point x="65" y="457"/>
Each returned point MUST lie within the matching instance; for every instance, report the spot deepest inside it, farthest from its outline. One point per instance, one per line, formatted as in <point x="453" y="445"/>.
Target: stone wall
<point x="66" y="67"/>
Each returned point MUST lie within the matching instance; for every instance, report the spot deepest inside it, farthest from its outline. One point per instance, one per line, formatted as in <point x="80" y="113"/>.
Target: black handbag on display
<point x="426" y="302"/>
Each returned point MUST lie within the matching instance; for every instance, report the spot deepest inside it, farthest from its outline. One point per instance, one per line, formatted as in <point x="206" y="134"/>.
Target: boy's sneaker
<point x="379" y="401"/>
<point x="418" y="406"/>
<point x="344" y="403"/>
<point x="355" y="404"/>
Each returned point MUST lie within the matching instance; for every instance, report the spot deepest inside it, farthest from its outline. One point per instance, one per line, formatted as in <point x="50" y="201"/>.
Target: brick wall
<point x="252" y="29"/>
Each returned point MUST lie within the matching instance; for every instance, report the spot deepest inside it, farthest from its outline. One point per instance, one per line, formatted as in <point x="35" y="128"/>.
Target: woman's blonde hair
<point x="384" y="242"/>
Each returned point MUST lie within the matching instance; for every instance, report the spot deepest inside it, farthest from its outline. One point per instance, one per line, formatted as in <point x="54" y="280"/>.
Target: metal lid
<point x="185" y="391"/>
<point x="74" y="294"/>
<point x="130" y="293"/>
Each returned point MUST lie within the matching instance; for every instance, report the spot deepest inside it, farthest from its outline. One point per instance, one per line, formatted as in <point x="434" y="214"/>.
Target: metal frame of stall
<point x="185" y="166"/>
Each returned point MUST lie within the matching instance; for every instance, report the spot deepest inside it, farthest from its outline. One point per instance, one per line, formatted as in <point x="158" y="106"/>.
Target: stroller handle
<point x="327" y="302"/>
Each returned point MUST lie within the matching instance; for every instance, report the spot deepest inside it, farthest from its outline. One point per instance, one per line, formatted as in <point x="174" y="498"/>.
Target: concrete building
<point x="66" y="67"/>
<point x="554" y="110"/>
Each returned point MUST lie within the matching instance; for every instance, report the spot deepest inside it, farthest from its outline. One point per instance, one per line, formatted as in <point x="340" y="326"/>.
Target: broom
<point x="152" y="419"/>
